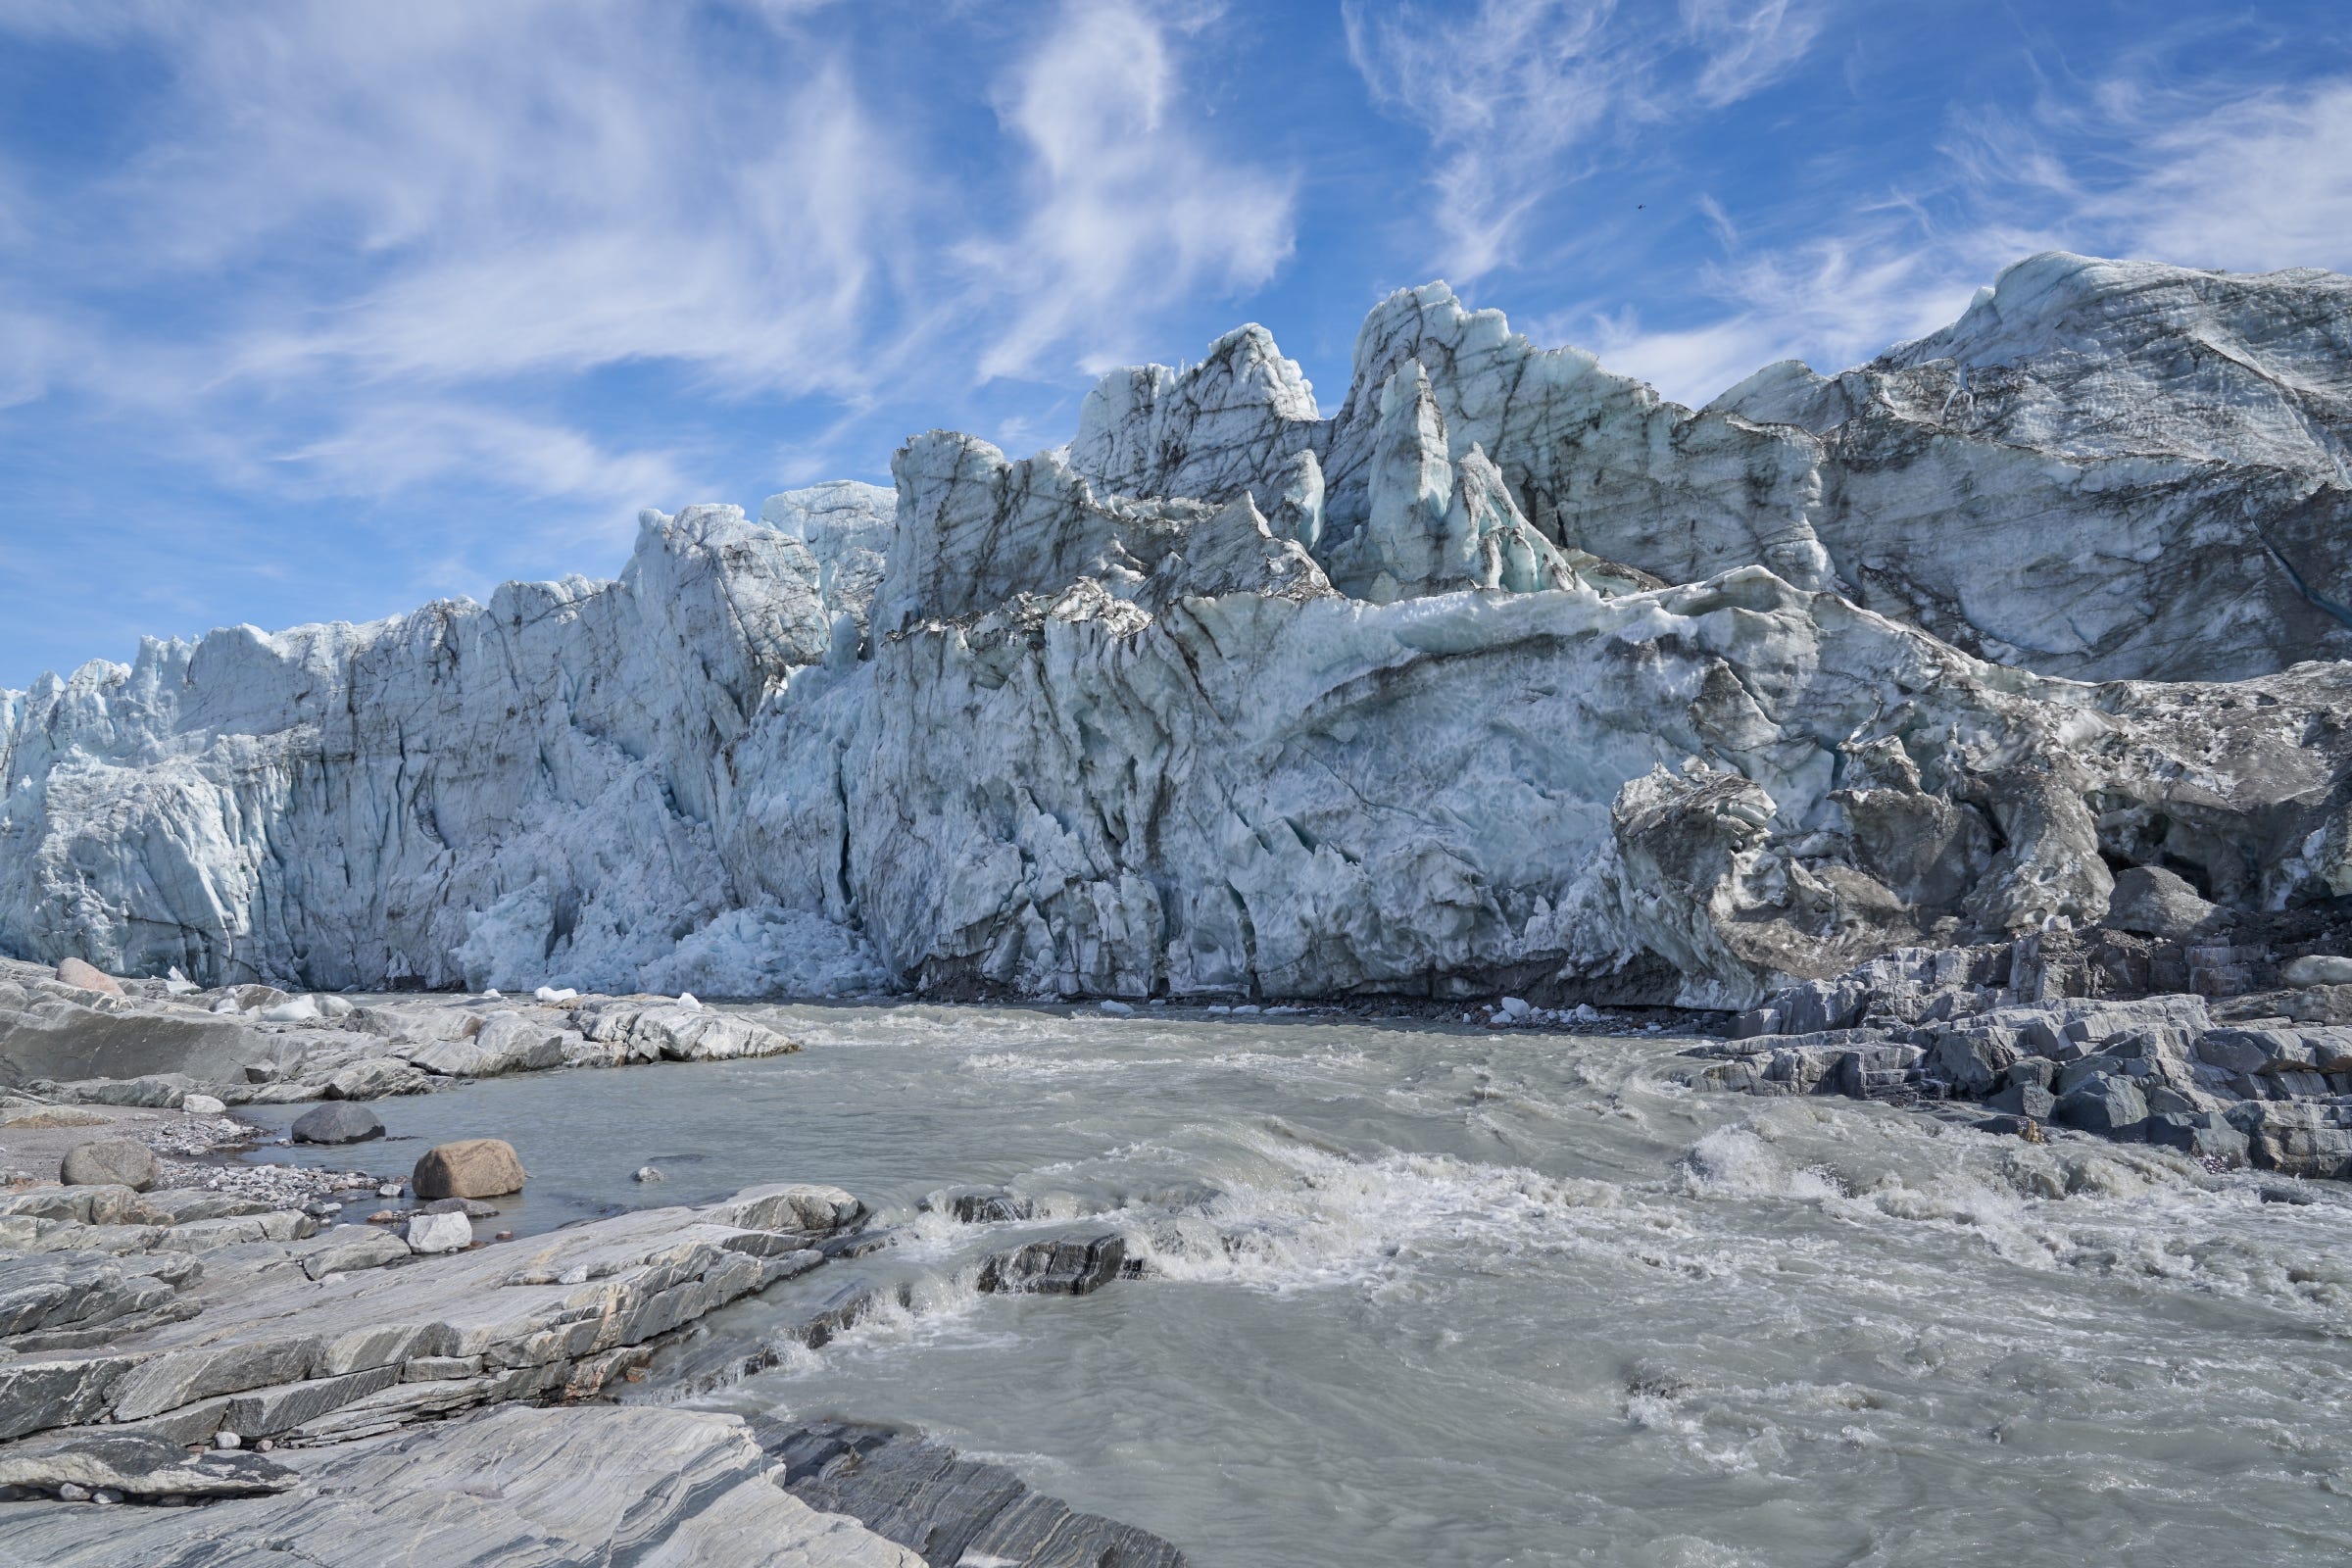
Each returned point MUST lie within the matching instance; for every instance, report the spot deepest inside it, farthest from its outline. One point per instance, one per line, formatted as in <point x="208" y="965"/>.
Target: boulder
<point x="2318" y="970"/>
<point x="338" y="1121"/>
<point x="88" y="977"/>
<point x="445" y="1231"/>
<point x="2024" y="1099"/>
<point x="2200" y="1134"/>
<point x="204" y="1105"/>
<point x="2105" y="1104"/>
<point x="1066" y="1267"/>
<point x="375" y="1077"/>
<point x="2149" y="900"/>
<point x="110" y="1162"/>
<point x="478" y="1167"/>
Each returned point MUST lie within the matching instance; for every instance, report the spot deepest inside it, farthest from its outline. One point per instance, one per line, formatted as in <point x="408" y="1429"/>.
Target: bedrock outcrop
<point x="1510" y="675"/>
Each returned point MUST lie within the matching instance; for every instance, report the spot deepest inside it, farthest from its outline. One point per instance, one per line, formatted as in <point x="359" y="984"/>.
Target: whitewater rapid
<point x="1423" y="1294"/>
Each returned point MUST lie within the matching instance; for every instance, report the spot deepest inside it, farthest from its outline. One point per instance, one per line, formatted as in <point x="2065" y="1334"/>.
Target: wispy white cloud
<point x="1746" y="45"/>
<point x="1834" y="302"/>
<point x="2262" y="183"/>
<point x="395" y="445"/>
<point x="372" y="220"/>
<point x="2248" y="184"/>
<point x="1502" y="95"/>
<point x="1516" y="94"/>
<point x="1128" y="206"/>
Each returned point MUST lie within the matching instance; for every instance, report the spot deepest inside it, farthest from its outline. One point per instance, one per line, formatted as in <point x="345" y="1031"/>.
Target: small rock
<point x="504" y="1236"/>
<point x="1515" y="1008"/>
<point x="478" y="1167"/>
<point x="389" y="1189"/>
<point x="1119" y="1010"/>
<point x="647" y="1173"/>
<point x="471" y="1208"/>
<point x="105" y="1497"/>
<point x="265" y="1446"/>
<point x="204" y="1105"/>
<point x="301" y="1009"/>
<point x="386" y="1216"/>
<point x="110" y="1162"/>
<point x="228" y="1439"/>
<point x="338" y="1121"/>
<point x="2318" y="970"/>
<point x="439" y="1232"/>
<point x="88" y="977"/>
<point x="176" y="984"/>
<point x="71" y="1492"/>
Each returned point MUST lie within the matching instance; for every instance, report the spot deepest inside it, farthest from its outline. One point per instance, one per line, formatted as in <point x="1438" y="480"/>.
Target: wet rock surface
<point x="153" y="1344"/>
<point x="951" y="1510"/>
<point x="549" y="1489"/>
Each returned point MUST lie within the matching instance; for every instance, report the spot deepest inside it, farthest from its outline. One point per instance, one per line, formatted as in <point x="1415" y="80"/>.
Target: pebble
<point x="105" y="1497"/>
<point x="73" y="1491"/>
<point x="228" y="1439"/>
<point x="389" y="1189"/>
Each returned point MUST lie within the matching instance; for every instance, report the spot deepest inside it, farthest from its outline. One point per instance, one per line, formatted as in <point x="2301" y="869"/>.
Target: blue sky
<point x="318" y="311"/>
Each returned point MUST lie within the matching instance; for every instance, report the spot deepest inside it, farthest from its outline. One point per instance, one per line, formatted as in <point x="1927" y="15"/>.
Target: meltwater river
<point x="1430" y="1296"/>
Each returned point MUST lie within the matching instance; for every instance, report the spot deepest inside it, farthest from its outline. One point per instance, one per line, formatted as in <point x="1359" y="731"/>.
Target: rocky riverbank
<point x="76" y="1035"/>
<point x="2227" y="1035"/>
<point x="352" y="1397"/>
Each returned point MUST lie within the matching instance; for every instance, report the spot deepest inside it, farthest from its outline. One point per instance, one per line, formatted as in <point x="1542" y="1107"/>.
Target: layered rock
<point x="1509" y="675"/>
<point x="2225" y="1044"/>
<point x="153" y="1048"/>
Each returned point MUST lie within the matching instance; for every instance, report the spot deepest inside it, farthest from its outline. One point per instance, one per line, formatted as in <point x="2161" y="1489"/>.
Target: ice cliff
<point x="1510" y="674"/>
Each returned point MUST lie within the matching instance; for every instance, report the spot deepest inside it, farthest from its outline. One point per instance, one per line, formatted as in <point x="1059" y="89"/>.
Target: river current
<point x="1424" y="1294"/>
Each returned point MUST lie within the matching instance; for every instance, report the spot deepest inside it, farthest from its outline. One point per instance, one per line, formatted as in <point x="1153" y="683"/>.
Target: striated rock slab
<point x="139" y="1466"/>
<point x="515" y="1487"/>
<point x="955" y="1512"/>
<point x="160" y="1050"/>
<point x="306" y="1359"/>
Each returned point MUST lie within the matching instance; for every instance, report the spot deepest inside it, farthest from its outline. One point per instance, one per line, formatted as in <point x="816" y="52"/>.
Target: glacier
<point x="1510" y="674"/>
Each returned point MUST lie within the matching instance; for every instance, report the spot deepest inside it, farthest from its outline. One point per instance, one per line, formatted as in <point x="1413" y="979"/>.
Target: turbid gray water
<point x="1427" y="1296"/>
